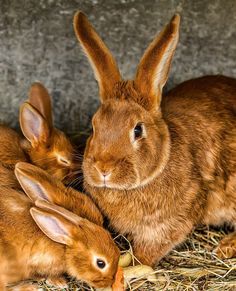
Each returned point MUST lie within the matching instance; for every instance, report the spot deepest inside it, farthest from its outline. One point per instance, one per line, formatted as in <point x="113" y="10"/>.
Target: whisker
<point x="76" y="181"/>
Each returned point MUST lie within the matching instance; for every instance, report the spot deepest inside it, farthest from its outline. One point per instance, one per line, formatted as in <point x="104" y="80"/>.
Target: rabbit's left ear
<point x="104" y="66"/>
<point x="33" y="125"/>
<point x="153" y="69"/>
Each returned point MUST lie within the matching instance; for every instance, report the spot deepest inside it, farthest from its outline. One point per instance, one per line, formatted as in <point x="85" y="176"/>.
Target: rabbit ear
<point x="153" y="69"/>
<point x="33" y="125"/>
<point x="36" y="183"/>
<point x="42" y="204"/>
<point x="105" y="68"/>
<point x="55" y="226"/>
<point x="41" y="100"/>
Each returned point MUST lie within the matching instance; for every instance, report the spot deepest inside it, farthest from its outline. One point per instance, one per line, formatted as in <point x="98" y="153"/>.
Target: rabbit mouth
<point x="101" y="283"/>
<point x="111" y="185"/>
<point x="116" y="178"/>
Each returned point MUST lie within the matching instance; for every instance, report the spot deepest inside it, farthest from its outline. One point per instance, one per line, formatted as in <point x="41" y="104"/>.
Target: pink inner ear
<point x="32" y="189"/>
<point x="34" y="123"/>
<point x="52" y="226"/>
<point x="37" y="190"/>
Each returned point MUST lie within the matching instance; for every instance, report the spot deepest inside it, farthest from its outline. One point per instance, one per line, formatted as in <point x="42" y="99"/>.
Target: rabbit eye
<point x="48" y="147"/>
<point x="101" y="264"/>
<point x="63" y="161"/>
<point x="138" y="131"/>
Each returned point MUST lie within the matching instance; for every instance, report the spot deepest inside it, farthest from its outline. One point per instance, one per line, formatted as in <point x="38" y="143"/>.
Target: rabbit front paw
<point x="227" y="247"/>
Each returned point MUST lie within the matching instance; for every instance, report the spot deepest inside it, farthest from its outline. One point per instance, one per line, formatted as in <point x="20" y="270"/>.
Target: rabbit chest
<point x="141" y="211"/>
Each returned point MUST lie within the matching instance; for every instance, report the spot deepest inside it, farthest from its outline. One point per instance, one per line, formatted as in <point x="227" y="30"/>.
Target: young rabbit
<point x="66" y="242"/>
<point x="44" y="146"/>
<point x="157" y="166"/>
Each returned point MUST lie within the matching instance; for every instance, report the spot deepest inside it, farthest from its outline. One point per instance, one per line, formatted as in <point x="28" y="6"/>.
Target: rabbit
<point x="38" y="184"/>
<point x="157" y="167"/>
<point x="40" y="239"/>
<point x="43" y="145"/>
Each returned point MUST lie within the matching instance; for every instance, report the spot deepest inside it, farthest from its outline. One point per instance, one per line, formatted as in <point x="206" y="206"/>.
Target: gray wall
<point x="37" y="42"/>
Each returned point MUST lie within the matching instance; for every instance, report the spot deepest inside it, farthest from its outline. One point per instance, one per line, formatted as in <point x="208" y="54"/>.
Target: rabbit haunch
<point x="44" y="145"/>
<point x="39" y="239"/>
<point x="157" y="166"/>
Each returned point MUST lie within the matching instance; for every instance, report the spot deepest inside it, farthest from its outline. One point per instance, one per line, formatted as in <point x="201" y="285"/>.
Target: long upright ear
<point x="153" y="69"/>
<point x="33" y="125"/>
<point x="37" y="183"/>
<point x="104" y="66"/>
<point x="42" y="204"/>
<point x="40" y="99"/>
<point x="55" y="226"/>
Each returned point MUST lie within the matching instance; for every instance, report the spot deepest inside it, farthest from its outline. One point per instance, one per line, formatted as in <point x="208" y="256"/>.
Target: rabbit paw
<point x="59" y="282"/>
<point x="227" y="247"/>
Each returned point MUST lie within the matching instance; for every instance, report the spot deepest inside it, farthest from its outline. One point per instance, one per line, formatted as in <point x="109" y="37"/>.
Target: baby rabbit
<point x="66" y="242"/>
<point x="157" y="166"/>
<point x="44" y="146"/>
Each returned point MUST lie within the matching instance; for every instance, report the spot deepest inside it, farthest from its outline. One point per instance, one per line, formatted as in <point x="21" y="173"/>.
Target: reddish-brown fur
<point x="182" y="170"/>
<point x="27" y="253"/>
<point x="44" y="145"/>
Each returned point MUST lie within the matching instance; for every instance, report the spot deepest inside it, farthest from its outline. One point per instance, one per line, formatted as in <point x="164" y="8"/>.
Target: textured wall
<point x="37" y="42"/>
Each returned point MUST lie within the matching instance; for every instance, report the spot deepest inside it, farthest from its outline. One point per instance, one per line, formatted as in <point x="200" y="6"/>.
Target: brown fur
<point x="44" y="145"/>
<point x="182" y="170"/>
<point x="27" y="253"/>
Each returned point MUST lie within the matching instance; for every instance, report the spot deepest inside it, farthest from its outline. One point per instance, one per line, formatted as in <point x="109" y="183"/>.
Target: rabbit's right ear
<point x="54" y="226"/>
<point x="153" y="69"/>
<point x="40" y="99"/>
<point x="33" y="125"/>
<point x="105" y="68"/>
<point x="36" y="183"/>
<point x="42" y="204"/>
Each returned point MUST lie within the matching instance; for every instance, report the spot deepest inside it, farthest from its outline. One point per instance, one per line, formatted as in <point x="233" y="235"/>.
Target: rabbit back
<point x="205" y="109"/>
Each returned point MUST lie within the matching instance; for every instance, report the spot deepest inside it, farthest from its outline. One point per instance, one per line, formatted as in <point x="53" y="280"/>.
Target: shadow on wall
<point x="38" y="43"/>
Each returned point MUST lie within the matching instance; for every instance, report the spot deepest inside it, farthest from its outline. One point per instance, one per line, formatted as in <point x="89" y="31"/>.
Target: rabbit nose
<point x="106" y="174"/>
<point x="103" y="171"/>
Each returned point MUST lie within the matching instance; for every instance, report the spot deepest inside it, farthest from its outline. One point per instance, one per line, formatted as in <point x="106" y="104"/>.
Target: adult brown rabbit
<point x="66" y="243"/>
<point x="157" y="167"/>
<point x="43" y="145"/>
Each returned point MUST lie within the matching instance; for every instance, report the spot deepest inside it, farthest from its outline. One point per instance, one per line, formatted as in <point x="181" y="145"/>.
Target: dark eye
<point x="48" y="146"/>
<point x="138" y="131"/>
<point x="63" y="161"/>
<point x="101" y="264"/>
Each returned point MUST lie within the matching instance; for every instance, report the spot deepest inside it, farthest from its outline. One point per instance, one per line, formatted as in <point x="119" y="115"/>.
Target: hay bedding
<point x="192" y="266"/>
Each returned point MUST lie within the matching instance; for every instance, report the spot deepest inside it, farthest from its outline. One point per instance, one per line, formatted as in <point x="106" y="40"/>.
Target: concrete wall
<point x="37" y="42"/>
